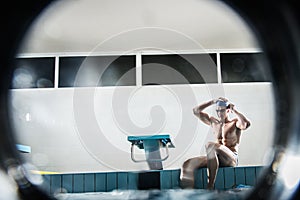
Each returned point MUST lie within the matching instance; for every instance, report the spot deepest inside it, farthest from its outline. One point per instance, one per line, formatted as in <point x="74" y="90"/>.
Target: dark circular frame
<point x="277" y="28"/>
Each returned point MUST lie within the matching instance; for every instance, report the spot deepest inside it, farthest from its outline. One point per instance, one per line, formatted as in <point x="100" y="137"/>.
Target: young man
<point x="224" y="151"/>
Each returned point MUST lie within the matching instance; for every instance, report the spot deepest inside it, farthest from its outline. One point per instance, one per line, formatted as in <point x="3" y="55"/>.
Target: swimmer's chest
<point x="227" y="130"/>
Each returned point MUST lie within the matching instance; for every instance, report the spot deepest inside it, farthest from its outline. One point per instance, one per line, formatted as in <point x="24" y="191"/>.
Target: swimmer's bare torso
<point x="226" y="133"/>
<point x="226" y="130"/>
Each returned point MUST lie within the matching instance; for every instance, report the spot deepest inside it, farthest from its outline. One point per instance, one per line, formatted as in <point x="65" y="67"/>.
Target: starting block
<point x="23" y="148"/>
<point x="151" y="145"/>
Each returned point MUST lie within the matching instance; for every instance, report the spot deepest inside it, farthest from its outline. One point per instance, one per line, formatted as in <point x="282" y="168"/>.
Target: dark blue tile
<point x="205" y="177"/>
<point x="229" y="177"/>
<point x="175" y="178"/>
<point x="111" y="181"/>
<point x="100" y="182"/>
<point x="165" y="179"/>
<point x="198" y="177"/>
<point x="258" y="171"/>
<point x="149" y="179"/>
<point x="122" y="180"/>
<point x="250" y="176"/>
<point x="220" y="179"/>
<point x="132" y="180"/>
<point x="89" y="182"/>
<point x="240" y="175"/>
<point x="67" y="183"/>
<point x="78" y="183"/>
<point x="55" y="183"/>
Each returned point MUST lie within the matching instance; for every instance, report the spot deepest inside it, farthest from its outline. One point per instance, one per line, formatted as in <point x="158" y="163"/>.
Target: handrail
<point x="149" y="160"/>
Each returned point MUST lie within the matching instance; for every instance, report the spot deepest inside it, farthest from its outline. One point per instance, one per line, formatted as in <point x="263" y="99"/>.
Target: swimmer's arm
<point x="204" y="117"/>
<point x="242" y="122"/>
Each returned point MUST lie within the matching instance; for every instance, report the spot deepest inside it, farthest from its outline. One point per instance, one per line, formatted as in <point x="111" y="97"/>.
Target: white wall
<point x="86" y="129"/>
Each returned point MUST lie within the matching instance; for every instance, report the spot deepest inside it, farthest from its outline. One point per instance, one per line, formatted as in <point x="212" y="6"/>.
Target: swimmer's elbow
<point x="248" y="124"/>
<point x="245" y="125"/>
<point x="196" y="111"/>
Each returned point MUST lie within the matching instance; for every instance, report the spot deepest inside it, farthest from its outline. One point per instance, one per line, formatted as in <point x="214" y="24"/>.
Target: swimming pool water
<point x="171" y="194"/>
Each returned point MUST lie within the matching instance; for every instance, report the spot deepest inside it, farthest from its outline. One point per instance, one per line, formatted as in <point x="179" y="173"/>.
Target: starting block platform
<point x="151" y="145"/>
<point x="23" y="148"/>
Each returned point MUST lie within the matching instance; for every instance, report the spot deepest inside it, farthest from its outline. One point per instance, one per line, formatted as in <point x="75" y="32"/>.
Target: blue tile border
<point x="227" y="178"/>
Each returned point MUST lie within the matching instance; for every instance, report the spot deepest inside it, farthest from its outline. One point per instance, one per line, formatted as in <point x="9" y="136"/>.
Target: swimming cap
<point x="222" y="103"/>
